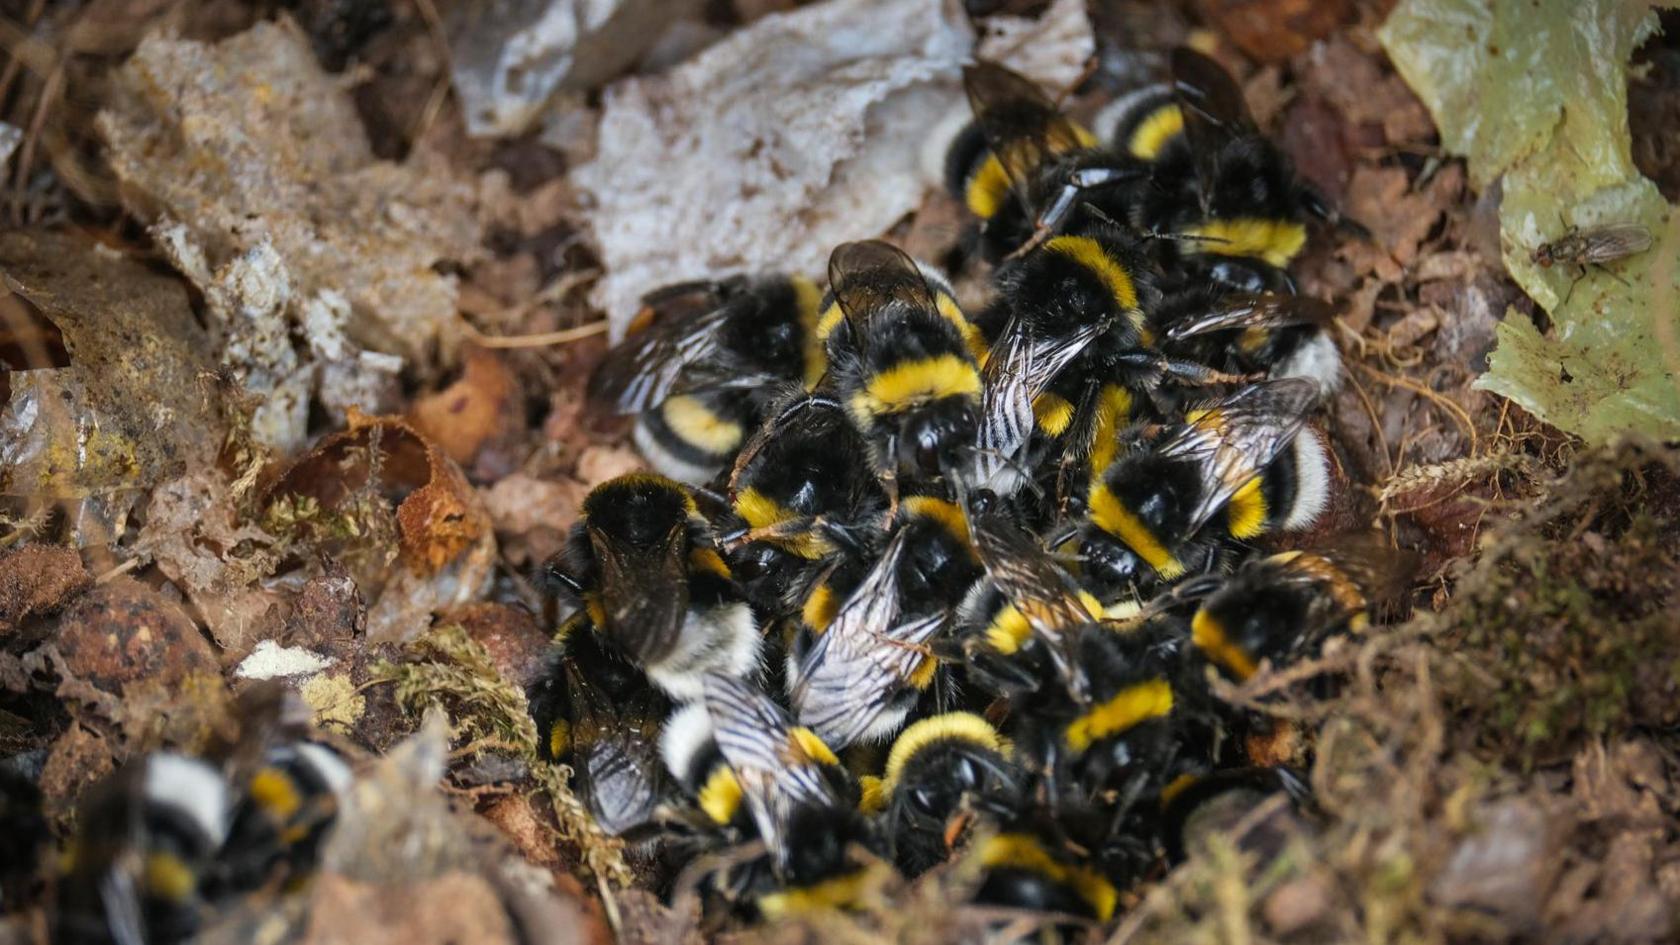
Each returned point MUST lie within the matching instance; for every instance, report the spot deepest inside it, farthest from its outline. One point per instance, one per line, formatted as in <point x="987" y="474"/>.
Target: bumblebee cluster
<point x="918" y="583"/>
<point x="168" y="838"/>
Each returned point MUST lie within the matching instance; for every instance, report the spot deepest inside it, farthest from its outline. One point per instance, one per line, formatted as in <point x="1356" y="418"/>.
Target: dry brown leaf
<point x="438" y="515"/>
<point x="1274" y="30"/>
<point x="481" y="411"/>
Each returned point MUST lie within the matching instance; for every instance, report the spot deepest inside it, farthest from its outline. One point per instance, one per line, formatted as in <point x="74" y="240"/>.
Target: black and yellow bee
<point x="1024" y="169"/>
<point x="803" y="490"/>
<point x="285" y="808"/>
<point x="939" y="768"/>
<point x="601" y="716"/>
<point x="1145" y="512"/>
<point x="1030" y="865"/>
<point x="823" y="852"/>
<point x="140" y="866"/>
<point x="1069" y="350"/>
<point x="1278" y="334"/>
<point x="643" y="562"/>
<point x="1021" y="624"/>
<point x="1230" y="198"/>
<point x="1284" y="606"/>
<point x="703" y="374"/>
<point x="860" y="667"/>
<point x="903" y="362"/>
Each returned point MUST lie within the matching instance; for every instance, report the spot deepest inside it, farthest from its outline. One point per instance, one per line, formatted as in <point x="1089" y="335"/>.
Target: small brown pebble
<point x="123" y="632"/>
<point x="511" y="635"/>
<point x="329" y="610"/>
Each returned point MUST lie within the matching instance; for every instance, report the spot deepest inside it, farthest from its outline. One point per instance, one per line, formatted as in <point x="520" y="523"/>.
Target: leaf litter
<point x="312" y="479"/>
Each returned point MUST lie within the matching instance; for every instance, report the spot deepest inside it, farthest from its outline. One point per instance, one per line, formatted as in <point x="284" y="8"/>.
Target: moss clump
<point x="1564" y="627"/>
<point x="447" y="668"/>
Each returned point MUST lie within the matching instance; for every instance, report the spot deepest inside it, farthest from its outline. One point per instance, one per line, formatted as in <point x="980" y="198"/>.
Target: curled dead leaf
<point x="382" y="461"/>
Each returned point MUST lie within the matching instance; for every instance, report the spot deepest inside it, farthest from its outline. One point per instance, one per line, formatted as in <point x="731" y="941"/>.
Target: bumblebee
<point x="701" y="377"/>
<point x="1283" y="606"/>
<point x="1280" y="334"/>
<point x="936" y="768"/>
<point x="1022" y="168"/>
<point x="147" y="840"/>
<point x="822" y="851"/>
<point x="903" y="362"/>
<point x="600" y="715"/>
<point x="1145" y="512"/>
<point x="642" y="560"/>
<point x="285" y="809"/>
<point x="1021" y="623"/>
<point x="1030" y="865"/>
<point x="857" y="675"/>
<point x="1068" y="348"/>
<point x="1228" y="195"/>
<point x="803" y="491"/>
<point x="688" y="747"/>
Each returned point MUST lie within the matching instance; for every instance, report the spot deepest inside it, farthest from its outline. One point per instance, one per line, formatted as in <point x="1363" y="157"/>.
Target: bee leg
<point x="1079" y="183"/>
<point x="1319" y="206"/>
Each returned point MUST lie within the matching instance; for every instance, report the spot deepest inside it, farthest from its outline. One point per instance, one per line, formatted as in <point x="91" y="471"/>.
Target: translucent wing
<point x="678" y="354"/>
<point x="776" y="773"/>
<point x="1213" y="108"/>
<point x="1234" y="438"/>
<point x="1023" y="128"/>
<point x="644" y="594"/>
<point x="1019" y="368"/>
<point x="855" y="668"/>
<point x="867" y="276"/>
<point x="1256" y="310"/>
<point x="1045" y="594"/>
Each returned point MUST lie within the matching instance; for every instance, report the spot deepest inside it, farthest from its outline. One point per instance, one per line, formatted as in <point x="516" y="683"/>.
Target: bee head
<point x="933" y="439"/>
<point x="637" y="512"/>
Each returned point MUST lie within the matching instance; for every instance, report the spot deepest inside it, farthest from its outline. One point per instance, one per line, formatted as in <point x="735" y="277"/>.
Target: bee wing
<point x="1213" y="108"/>
<point x="1234" y="438"/>
<point x="644" y="594"/>
<point x="1045" y="594"/>
<point x="680" y="352"/>
<point x="1023" y="128"/>
<point x="122" y="907"/>
<point x="1609" y="243"/>
<point x="851" y="673"/>
<point x="865" y="276"/>
<point x="1019" y="368"/>
<point x="1256" y="310"/>
<point x="755" y="736"/>
<point x="793" y="413"/>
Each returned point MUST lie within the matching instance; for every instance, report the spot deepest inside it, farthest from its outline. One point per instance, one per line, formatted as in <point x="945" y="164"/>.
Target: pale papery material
<point x="797" y="133"/>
